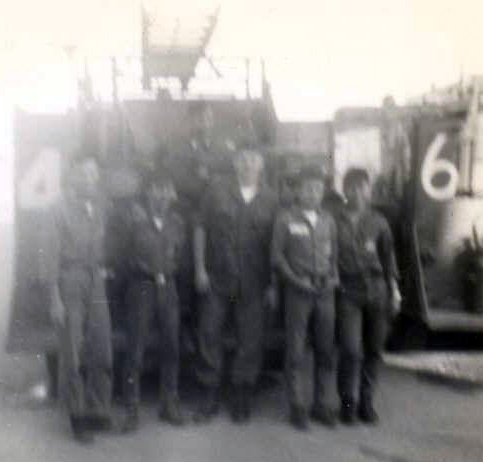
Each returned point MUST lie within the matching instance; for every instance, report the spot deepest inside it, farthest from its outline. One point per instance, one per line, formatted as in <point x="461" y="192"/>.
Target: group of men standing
<point x="332" y="268"/>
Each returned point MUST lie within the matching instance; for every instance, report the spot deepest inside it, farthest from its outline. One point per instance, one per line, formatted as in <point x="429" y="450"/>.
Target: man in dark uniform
<point x="194" y="163"/>
<point x="304" y="251"/>
<point x="80" y="308"/>
<point x="369" y="295"/>
<point x="157" y="237"/>
<point x="232" y="274"/>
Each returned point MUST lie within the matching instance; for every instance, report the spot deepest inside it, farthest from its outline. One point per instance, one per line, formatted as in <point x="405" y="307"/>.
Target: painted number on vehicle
<point x="432" y="166"/>
<point x="40" y="185"/>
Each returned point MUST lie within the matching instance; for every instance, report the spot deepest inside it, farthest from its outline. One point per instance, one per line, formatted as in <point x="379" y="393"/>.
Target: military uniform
<point x="366" y="266"/>
<point x="307" y="251"/>
<point x="193" y="165"/>
<point x="85" y="336"/>
<point x="152" y="298"/>
<point x="117" y="244"/>
<point x="237" y="255"/>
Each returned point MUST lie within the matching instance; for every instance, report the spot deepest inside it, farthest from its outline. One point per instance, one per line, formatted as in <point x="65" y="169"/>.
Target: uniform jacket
<point x="308" y="251"/>
<point x="237" y="236"/>
<point x="365" y="249"/>
<point x="80" y="232"/>
<point x="156" y="243"/>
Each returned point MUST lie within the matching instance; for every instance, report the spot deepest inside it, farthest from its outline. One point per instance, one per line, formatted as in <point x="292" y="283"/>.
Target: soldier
<point x="193" y="162"/>
<point x="80" y="308"/>
<point x="157" y="238"/>
<point x="369" y="295"/>
<point x="304" y="251"/>
<point x="232" y="273"/>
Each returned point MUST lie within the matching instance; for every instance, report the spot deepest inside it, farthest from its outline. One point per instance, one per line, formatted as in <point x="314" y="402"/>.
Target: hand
<point x="107" y="273"/>
<point x="271" y="297"/>
<point x="160" y="279"/>
<point x="57" y="308"/>
<point x="202" y="281"/>
<point x="395" y="303"/>
<point x="306" y="285"/>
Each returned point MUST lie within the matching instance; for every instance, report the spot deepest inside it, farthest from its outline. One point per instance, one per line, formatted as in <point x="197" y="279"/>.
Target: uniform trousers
<point x="308" y="313"/>
<point x="150" y="304"/>
<point x="362" y="330"/>
<point x="246" y="309"/>
<point x="85" y="343"/>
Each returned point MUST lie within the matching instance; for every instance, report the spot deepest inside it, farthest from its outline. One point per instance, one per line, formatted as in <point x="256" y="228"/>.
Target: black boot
<point x="81" y="431"/>
<point x="299" y="418"/>
<point x="323" y="415"/>
<point x="131" y="420"/>
<point x="209" y="406"/>
<point x="348" y="412"/>
<point x="240" y="411"/>
<point x="367" y="412"/>
<point x="247" y="402"/>
<point x="101" y="423"/>
<point x="170" y="411"/>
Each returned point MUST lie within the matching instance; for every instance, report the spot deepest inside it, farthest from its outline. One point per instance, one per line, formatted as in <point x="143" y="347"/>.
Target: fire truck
<point x="426" y="163"/>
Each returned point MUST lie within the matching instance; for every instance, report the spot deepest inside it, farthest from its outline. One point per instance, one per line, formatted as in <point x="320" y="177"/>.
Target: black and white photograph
<point x="241" y="231"/>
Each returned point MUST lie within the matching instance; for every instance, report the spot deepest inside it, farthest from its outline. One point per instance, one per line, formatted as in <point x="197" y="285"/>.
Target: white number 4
<point x="40" y="186"/>
<point x="433" y="166"/>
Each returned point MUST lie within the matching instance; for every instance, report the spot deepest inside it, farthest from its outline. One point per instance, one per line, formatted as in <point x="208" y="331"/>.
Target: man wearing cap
<point x="304" y="252"/>
<point x="157" y="236"/>
<point x="232" y="275"/>
<point x="80" y="307"/>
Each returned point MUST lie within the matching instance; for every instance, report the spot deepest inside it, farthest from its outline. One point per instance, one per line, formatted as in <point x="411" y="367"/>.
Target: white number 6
<point x="40" y="186"/>
<point x="433" y="166"/>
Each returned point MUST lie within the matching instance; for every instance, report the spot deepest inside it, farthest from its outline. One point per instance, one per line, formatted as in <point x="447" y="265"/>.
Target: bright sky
<point x="320" y="55"/>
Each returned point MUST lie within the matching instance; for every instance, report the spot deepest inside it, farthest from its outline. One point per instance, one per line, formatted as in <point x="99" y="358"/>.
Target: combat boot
<point x="247" y="402"/>
<point x="238" y="411"/>
<point x="170" y="411"/>
<point x="81" y="431"/>
<point x="131" y="420"/>
<point x="323" y="415"/>
<point x="209" y="407"/>
<point x="299" y="418"/>
<point x="348" y="412"/>
<point x="366" y="411"/>
<point x="101" y="423"/>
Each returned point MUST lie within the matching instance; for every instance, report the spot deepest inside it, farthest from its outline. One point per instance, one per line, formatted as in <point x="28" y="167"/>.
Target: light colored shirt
<point x="311" y="216"/>
<point x="248" y="193"/>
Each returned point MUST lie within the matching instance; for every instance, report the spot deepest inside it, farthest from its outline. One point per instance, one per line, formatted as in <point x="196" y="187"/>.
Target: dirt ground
<point x="421" y="421"/>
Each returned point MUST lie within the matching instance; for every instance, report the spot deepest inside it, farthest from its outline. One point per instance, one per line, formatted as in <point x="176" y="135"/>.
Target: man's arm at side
<point x="279" y="261"/>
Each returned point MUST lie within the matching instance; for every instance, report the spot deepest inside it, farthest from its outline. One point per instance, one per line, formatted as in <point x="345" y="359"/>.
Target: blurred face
<point x="160" y="196"/>
<point x="248" y="166"/>
<point x="310" y="193"/>
<point x="358" y="195"/>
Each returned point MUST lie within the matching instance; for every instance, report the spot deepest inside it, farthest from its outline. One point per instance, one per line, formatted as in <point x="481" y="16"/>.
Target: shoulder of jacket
<point x="288" y="215"/>
<point x="139" y="213"/>
<point x="377" y="216"/>
<point x="176" y="218"/>
<point x="326" y="214"/>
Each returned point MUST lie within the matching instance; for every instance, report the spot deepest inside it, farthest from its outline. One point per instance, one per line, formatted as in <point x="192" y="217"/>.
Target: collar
<point x="234" y="189"/>
<point x="299" y="212"/>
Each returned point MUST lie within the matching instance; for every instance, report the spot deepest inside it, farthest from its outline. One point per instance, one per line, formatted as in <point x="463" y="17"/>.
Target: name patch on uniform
<point x="370" y="246"/>
<point x="298" y="229"/>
